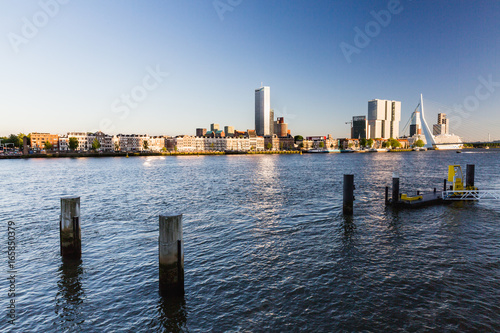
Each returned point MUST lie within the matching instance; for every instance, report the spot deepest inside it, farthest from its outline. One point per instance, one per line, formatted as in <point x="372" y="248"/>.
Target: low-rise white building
<point x="186" y="143"/>
<point x="63" y="143"/>
<point x="157" y="143"/>
<point x="130" y="142"/>
<point x="83" y="142"/>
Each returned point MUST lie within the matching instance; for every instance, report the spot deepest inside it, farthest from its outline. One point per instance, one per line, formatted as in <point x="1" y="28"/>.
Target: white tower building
<point x="383" y="118"/>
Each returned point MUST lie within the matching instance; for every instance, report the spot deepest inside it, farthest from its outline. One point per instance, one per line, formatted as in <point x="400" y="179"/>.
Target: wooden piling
<point x="171" y="255"/>
<point x="469" y="179"/>
<point x="69" y="228"/>
<point x="386" y="195"/>
<point x="444" y="185"/>
<point x="395" y="189"/>
<point x="348" y="194"/>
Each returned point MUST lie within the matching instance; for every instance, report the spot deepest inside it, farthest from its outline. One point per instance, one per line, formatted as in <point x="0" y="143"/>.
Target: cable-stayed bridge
<point x="464" y="128"/>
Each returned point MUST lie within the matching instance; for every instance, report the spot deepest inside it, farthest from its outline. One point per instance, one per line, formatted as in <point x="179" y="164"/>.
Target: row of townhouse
<point x="107" y="143"/>
<point x="140" y="142"/>
<point x="86" y="140"/>
<point x="187" y="143"/>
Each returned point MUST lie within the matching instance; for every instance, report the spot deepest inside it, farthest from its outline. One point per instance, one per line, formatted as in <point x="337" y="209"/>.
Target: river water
<point x="266" y="245"/>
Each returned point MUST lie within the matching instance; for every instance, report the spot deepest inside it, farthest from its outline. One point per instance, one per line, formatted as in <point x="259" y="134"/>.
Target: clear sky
<point x="170" y="66"/>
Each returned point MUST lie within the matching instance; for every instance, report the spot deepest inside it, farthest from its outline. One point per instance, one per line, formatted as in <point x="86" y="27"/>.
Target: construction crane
<point x="349" y="122"/>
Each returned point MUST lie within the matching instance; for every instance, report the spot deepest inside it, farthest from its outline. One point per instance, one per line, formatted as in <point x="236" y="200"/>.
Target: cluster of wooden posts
<point x="433" y="198"/>
<point x="170" y="245"/>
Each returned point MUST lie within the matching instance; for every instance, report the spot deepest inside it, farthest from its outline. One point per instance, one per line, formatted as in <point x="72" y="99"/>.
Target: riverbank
<point x="121" y="154"/>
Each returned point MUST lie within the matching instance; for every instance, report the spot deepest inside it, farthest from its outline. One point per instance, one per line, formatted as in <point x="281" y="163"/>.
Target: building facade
<point x="229" y="130"/>
<point x="130" y="142"/>
<point x="280" y="127"/>
<point x="359" y="127"/>
<point x="105" y="141"/>
<point x="38" y="140"/>
<point x="201" y="131"/>
<point x="263" y="111"/>
<point x="157" y="143"/>
<point x="383" y="118"/>
<point x="83" y="142"/>
<point x="442" y="126"/>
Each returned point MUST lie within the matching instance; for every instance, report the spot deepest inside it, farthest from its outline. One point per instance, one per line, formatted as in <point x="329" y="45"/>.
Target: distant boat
<point x="347" y="151"/>
<point x="380" y="150"/>
<point x="449" y="146"/>
<point x="324" y="151"/>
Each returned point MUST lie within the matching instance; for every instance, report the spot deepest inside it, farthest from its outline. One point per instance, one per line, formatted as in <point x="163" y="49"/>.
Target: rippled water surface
<point x="266" y="245"/>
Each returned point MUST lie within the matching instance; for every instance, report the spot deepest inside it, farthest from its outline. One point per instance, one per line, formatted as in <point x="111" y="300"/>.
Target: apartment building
<point x="38" y="140"/>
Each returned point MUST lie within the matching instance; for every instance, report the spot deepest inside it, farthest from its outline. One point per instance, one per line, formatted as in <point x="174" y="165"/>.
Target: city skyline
<point x="168" y="68"/>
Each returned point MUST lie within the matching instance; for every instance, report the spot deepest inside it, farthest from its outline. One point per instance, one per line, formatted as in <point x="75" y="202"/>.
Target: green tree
<point x="298" y="138"/>
<point x="145" y="144"/>
<point x="20" y="138"/>
<point x="47" y="145"/>
<point x="419" y="143"/>
<point x="362" y="142"/>
<point x="394" y="143"/>
<point x="117" y="146"/>
<point x="269" y="146"/>
<point x="322" y="144"/>
<point x="96" y="144"/>
<point x="369" y="142"/>
<point x="301" y="145"/>
<point x="385" y="144"/>
<point x="12" y="139"/>
<point x="73" y="143"/>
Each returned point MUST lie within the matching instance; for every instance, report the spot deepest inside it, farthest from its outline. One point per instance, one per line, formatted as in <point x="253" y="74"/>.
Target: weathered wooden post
<point x="386" y="195"/>
<point x="395" y="189"/>
<point x="69" y="228"/>
<point x="25" y="146"/>
<point x="469" y="179"/>
<point x="348" y="194"/>
<point x="171" y="255"/>
<point x="444" y="185"/>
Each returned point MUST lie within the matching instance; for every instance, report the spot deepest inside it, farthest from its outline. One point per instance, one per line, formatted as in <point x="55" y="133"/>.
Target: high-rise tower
<point x="263" y="111"/>
<point x="383" y="118"/>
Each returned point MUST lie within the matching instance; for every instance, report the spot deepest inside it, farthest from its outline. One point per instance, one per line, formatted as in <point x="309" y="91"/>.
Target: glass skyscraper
<point x="263" y="121"/>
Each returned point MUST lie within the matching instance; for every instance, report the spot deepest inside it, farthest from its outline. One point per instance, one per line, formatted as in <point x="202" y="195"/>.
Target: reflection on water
<point x="172" y="314"/>
<point x="70" y="294"/>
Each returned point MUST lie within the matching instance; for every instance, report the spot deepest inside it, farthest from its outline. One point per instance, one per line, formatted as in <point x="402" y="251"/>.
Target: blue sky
<point x="75" y="70"/>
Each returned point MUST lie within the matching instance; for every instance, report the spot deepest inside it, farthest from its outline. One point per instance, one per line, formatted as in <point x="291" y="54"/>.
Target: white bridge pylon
<point x="429" y="138"/>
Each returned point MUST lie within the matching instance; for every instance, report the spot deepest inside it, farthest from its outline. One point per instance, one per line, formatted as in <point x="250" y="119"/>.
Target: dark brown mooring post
<point x="469" y="179"/>
<point x="69" y="228"/>
<point x="395" y="189"/>
<point x="444" y="185"/>
<point x="348" y="194"/>
<point x="171" y="255"/>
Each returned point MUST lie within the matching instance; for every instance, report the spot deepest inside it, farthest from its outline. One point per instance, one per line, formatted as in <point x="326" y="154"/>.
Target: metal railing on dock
<point x="471" y="195"/>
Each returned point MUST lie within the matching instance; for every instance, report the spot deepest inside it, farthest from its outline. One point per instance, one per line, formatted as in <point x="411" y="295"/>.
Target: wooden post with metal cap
<point x="171" y="255"/>
<point x="69" y="228"/>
